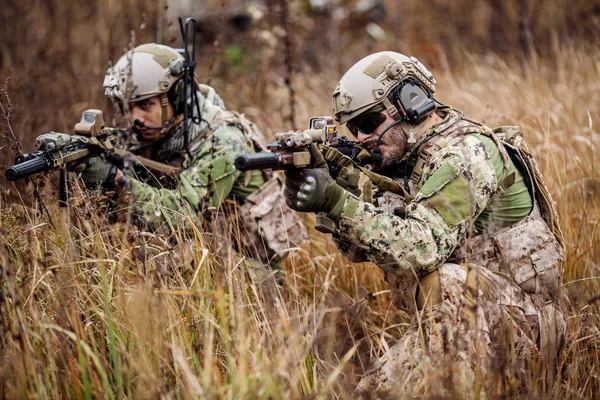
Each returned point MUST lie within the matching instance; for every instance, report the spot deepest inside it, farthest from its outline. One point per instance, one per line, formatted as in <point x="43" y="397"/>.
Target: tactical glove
<point x="94" y="171"/>
<point x="312" y="190"/>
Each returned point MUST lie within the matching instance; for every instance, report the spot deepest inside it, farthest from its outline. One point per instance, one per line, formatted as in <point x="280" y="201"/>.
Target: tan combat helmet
<point x="370" y="81"/>
<point x="146" y="71"/>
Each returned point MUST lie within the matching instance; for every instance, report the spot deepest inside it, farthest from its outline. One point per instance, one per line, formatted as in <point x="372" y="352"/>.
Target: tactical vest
<point x="270" y="227"/>
<point x="529" y="251"/>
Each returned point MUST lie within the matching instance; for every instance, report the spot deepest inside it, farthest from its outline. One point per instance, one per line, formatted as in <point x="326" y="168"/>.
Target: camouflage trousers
<point x="476" y="333"/>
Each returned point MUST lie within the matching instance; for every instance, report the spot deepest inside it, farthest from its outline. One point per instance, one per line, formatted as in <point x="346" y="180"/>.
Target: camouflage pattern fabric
<point x="205" y="181"/>
<point x="480" y="330"/>
<point x="209" y="179"/>
<point x="460" y="184"/>
<point x="457" y="186"/>
<point x="209" y="185"/>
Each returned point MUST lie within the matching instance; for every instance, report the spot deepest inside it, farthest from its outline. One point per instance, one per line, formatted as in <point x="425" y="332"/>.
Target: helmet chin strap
<point x="166" y="124"/>
<point x="164" y="103"/>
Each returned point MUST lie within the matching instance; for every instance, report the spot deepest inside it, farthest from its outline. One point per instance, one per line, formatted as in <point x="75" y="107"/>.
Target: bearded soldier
<point x="457" y="216"/>
<point x="191" y="174"/>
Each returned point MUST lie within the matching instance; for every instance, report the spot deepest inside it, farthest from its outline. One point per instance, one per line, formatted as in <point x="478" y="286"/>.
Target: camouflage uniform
<point x="204" y="181"/>
<point x="207" y="179"/>
<point x="469" y="201"/>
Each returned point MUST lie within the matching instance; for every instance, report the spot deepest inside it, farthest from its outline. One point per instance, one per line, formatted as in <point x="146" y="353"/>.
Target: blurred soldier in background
<point x="197" y="177"/>
<point x="459" y="218"/>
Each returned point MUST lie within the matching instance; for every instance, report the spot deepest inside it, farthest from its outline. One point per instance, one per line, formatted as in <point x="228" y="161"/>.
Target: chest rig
<point x="165" y="176"/>
<point x="529" y="251"/>
<point x="270" y="228"/>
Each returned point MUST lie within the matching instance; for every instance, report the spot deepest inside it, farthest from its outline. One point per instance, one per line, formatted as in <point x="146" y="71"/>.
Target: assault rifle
<point x="291" y="149"/>
<point x="55" y="150"/>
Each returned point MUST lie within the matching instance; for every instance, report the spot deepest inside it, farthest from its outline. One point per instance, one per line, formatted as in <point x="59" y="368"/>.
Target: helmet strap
<point x="412" y="130"/>
<point x="164" y="103"/>
<point x="391" y="108"/>
<point x="411" y="136"/>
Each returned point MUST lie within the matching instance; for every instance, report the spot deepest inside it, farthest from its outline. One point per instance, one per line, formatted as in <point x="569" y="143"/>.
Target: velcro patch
<point x="350" y="207"/>
<point x="377" y="66"/>
<point x="448" y="193"/>
<point x="443" y="175"/>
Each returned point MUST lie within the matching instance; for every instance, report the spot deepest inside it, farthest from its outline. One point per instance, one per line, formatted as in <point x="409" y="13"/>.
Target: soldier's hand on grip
<point x="348" y="179"/>
<point x="312" y="190"/>
<point x="94" y="171"/>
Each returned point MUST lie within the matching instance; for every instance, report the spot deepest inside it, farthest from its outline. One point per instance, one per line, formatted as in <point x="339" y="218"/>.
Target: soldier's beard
<point x="396" y="146"/>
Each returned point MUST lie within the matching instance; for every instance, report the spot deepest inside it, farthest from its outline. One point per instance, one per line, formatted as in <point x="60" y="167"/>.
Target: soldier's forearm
<point x="352" y="251"/>
<point x="421" y="241"/>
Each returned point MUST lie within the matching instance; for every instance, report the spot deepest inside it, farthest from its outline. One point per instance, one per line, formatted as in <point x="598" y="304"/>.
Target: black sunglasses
<point x="367" y="122"/>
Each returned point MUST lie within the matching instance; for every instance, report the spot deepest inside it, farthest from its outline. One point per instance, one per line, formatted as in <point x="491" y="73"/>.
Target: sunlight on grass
<point x="94" y="310"/>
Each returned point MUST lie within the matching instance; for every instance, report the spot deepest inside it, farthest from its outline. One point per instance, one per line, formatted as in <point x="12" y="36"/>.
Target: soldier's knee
<point x="442" y="284"/>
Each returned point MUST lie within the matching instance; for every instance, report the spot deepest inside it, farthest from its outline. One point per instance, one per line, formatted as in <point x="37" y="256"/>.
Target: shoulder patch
<point x="446" y="173"/>
<point x="448" y="193"/>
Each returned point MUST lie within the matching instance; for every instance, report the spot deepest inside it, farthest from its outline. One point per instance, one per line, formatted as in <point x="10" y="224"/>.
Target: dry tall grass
<point x="86" y="315"/>
<point x="92" y="310"/>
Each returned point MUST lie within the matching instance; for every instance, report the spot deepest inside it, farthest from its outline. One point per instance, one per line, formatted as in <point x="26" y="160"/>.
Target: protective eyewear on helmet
<point x="367" y="122"/>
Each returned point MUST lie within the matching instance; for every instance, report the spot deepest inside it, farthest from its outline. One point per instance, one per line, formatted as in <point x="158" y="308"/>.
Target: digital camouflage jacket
<point x="204" y="181"/>
<point x="459" y="193"/>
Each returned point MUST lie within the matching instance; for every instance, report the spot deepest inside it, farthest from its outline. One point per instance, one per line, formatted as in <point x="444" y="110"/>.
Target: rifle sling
<point x="383" y="182"/>
<point x="146" y="162"/>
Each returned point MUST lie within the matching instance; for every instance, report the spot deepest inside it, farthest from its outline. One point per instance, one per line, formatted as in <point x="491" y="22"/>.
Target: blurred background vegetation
<point x="83" y="318"/>
<point x="54" y="54"/>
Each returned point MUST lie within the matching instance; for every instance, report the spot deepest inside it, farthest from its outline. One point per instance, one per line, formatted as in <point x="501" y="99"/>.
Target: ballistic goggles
<point x="367" y="122"/>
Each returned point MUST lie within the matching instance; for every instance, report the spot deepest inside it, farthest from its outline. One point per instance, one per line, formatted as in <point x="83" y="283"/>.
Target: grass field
<point x="91" y="309"/>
